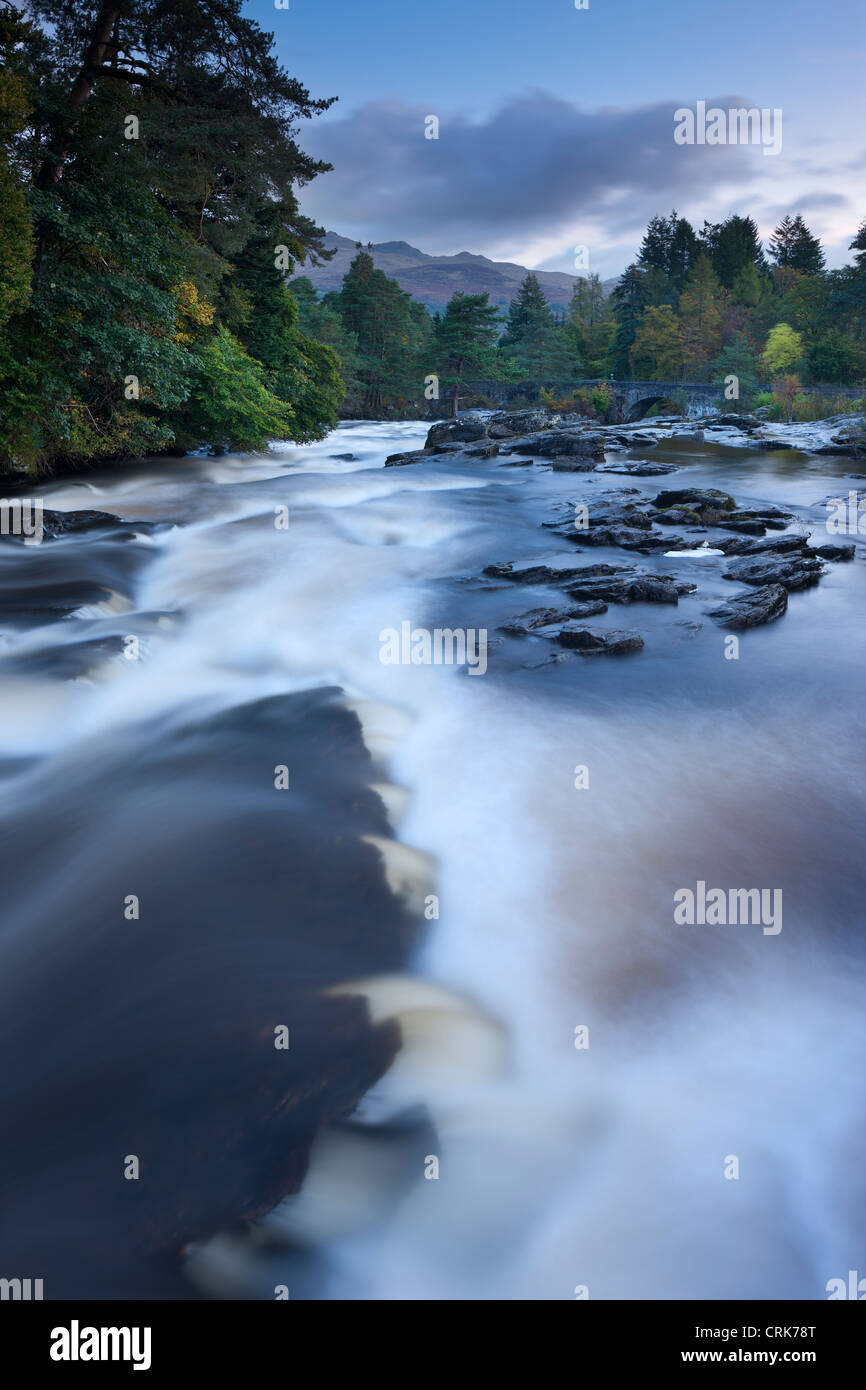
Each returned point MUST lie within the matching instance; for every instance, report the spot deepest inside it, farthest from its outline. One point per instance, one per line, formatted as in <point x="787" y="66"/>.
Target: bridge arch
<point x="639" y="409"/>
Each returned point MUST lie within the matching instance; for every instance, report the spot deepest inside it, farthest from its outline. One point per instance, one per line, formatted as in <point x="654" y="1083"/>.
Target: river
<point x="619" y="1106"/>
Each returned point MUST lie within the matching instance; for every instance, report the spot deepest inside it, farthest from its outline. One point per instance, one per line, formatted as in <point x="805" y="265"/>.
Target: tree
<point x="737" y="359"/>
<point x="158" y="160"/>
<point x="836" y="357"/>
<point x="734" y="248"/>
<point x="792" y="244"/>
<point x="783" y="350"/>
<point x="589" y="327"/>
<point x="389" y="333"/>
<point x="669" y="246"/>
<point x="656" y="353"/>
<point x="466" y="343"/>
<point x="629" y="299"/>
<point x="531" y="335"/>
<point x="700" y="317"/>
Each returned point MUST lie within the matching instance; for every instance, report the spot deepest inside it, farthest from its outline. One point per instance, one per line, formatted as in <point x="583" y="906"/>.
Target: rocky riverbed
<point x="763" y="547"/>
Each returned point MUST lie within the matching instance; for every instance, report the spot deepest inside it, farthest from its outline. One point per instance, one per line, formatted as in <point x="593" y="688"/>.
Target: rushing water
<point x="601" y="1166"/>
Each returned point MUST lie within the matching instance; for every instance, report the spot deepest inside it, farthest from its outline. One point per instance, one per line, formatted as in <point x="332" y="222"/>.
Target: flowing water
<point x="562" y="1168"/>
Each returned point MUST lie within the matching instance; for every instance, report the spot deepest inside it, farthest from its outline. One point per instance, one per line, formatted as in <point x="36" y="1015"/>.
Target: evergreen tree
<point x="737" y="359"/>
<point x="793" y="245"/>
<point x="466" y="343"/>
<point x="629" y="299"/>
<point x="589" y="328"/>
<point x="670" y="247"/>
<point x="735" y="250"/>
<point x="531" y="336"/>
<point x="390" y="334"/>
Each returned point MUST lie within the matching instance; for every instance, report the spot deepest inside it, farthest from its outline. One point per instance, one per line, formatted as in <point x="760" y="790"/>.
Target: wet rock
<point x="674" y="516"/>
<point x="540" y="618"/>
<point x="696" y="499"/>
<point x="749" y="527"/>
<point x="455" y="432"/>
<point x="411" y="456"/>
<point x="625" y="587"/>
<point x="344" y="458"/>
<point x="737" y="422"/>
<point x="591" y="641"/>
<point x="530" y="573"/>
<point x="697" y="436"/>
<point x="770" y="545"/>
<point x="833" y="551"/>
<point x="56" y="524"/>
<point x="561" y="444"/>
<point x="520" y="421"/>
<point x="641" y="468"/>
<point x="762" y="605"/>
<point x="570" y="464"/>
<point x="794" y="574"/>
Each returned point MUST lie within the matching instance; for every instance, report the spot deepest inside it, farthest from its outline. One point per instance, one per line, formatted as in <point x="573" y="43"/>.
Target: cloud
<point x="536" y="175"/>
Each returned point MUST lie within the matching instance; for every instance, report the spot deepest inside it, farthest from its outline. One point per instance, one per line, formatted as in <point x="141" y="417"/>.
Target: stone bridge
<point x="634" y="399"/>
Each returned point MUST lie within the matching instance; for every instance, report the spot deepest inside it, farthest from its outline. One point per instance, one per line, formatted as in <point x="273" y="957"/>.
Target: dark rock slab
<point x="833" y="551"/>
<point x="769" y="545"/>
<point x="696" y="499"/>
<point x="560" y="444"/>
<point x="762" y="605"/>
<point x="455" y="432"/>
<point x="794" y="574"/>
<point x="590" y="641"/>
<point x="541" y="618"/>
<point x="641" y="468"/>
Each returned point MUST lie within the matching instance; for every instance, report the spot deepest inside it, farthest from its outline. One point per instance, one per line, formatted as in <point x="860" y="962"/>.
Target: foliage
<point x="148" y="182"/>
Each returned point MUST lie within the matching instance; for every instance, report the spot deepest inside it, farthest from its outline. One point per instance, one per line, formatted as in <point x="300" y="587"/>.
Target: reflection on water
<point x="559" y="1166"/>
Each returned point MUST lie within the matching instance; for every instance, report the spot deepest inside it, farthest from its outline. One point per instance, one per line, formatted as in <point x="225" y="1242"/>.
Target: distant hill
<point x="433" y="279"/>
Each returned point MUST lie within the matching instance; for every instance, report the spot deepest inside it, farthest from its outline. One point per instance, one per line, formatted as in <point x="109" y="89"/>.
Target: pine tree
<point x="629" y="299"/>
<point x="734" y="247"/>
<point x="532" y="338"/>
<point x="793" y="245"/>
<point x="465" y="344"/>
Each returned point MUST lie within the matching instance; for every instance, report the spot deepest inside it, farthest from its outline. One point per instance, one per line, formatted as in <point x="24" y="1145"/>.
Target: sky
<point x="556" y="125"/>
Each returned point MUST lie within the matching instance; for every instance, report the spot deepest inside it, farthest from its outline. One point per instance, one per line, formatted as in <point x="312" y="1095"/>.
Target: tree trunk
<point x="82" y="89"/>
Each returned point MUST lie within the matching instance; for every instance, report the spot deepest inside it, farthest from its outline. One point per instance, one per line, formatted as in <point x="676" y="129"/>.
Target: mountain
<point x="433" y="279"/>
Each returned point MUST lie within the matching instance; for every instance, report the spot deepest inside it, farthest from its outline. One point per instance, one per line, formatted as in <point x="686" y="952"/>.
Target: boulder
<point x="769" y="545"/>
<point x="696" y="499"/>
<point x="549" y="618"/>
<point x="412" y="456"/>
<point x="555" y="444"/>
<point x="455" y="432"/>
<point x="591" y="641"/>
<point x="833" y="551"/>
<point x="796" y="573"/>
<point x="750" y="609"/>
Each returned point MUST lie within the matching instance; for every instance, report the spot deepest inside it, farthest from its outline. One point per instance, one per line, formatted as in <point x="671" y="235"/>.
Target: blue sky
<point x="556" y="124"/>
